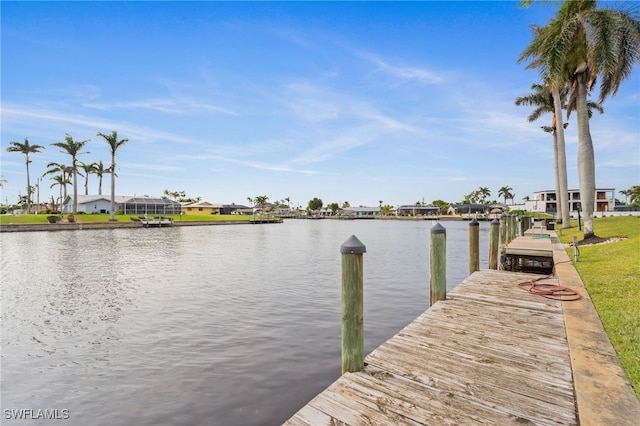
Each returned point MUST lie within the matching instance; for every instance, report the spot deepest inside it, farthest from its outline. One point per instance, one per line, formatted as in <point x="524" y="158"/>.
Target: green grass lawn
<point x="611" y="273"/>
<point x="89" y="218"/>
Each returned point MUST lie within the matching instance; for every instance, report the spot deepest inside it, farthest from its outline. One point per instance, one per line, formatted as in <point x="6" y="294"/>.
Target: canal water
<point x="208" y="325"/>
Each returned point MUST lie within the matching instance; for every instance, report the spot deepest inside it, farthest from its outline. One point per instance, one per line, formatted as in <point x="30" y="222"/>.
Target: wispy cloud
<point x="260" y="165"/>
<point x="169" y="106"/>
<point x="153" y="167"/>
<point x="13" y="115"/>
<point x="266" y="166"/>
<point x="405" y="73"/>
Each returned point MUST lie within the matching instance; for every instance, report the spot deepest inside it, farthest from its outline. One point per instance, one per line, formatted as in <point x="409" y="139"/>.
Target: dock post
<point x="503" y="229"/>
<point x="352" y="305"/>
<point x="494" y="237"/>
<point x="523" y="225"/>
<point x="438" y="264"/>
<point x="474" y="246"/>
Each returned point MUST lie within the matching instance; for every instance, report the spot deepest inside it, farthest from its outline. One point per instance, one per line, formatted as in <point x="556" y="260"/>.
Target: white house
<point x="127" y="204"/>
<point x="546" y="201"/>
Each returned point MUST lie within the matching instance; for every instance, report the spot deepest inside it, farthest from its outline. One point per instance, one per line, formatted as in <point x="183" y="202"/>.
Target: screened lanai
<point x="150" y="206"/>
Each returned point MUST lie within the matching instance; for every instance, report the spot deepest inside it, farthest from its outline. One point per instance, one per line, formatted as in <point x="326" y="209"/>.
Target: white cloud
<point x="421" y="75"/>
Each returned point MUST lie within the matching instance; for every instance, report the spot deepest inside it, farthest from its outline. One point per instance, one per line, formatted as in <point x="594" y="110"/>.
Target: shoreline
<point x="82" y="226"/>
<point x="78" y="226"/>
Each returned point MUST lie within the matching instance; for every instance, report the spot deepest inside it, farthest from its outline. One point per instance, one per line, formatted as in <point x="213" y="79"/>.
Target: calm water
<point x="213" y="325"/>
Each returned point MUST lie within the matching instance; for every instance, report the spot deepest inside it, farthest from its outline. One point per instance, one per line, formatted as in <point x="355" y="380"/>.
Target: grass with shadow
<point x="611" y="274"/>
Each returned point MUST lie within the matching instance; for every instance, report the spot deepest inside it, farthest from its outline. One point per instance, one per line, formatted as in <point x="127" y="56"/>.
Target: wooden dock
<point x="530" y="253"/>
<point x="490" y="354"/>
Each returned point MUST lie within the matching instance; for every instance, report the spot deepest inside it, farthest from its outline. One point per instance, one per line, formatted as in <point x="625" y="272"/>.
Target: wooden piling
<point x="474" y="246"/>
<point x="494" y="240"/>
<point x="352" y="305"/>
<point x="503" y="229"/>
<point x="438" y="264"/>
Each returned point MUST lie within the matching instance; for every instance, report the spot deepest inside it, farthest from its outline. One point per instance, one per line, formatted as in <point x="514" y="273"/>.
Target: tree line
<point x="68" y="174"/>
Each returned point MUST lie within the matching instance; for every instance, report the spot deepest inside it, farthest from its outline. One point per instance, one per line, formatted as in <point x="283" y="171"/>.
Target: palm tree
<point x="505" y="192"/>
<point x="100" y="171"/>
<point x="26" y="148"/>
<point x="63" y="181"/>
<point x="544" y="99"/>
<point x="626" y="193"/>
<point x="483" y="192"/>
<point x="114" y="145"/>
<point x="64" y="170"/>
<point x="73" y="148"/>
<point x="261" y="200"/>
<point x="634" y="194"/>
<point x="88" y="169"/>
<point x="580" y="44"/>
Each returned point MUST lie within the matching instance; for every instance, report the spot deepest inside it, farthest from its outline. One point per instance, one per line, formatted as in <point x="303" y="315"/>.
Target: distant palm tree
<point x="505" y="192"/>
<point x="26" y="148"/>
<point x="73" y="148"/>
<point x="386" y="210"/>
<point x="261" y="201"/>
<point x="484" y="192"/>
<point x="579" y="45"/>
<point x="87" y="169"/>
<point x="64" y="170"/>
<point x="626" y="193"/>
<point x="634" y="194"/>
<point x="62" y="180"/>
<point x="100" y="171"/>
<point x="114" y="145"/>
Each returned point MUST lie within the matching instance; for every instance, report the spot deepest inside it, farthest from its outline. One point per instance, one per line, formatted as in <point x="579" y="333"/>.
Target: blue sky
<point x="360" y="102"/>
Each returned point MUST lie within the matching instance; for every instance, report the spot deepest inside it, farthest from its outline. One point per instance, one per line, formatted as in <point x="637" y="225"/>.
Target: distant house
<point x="235" y="209"/>
<point x="201" y="208"/>
<point x="123" y="203"/>
<point x="546" y="201"/>
<point x="362" y="211"/>
<point x="468" y="209"/>
<point x="409" y="210"/>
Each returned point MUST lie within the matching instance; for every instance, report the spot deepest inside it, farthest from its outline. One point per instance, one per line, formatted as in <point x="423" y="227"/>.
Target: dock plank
<point x="489" y="354"/>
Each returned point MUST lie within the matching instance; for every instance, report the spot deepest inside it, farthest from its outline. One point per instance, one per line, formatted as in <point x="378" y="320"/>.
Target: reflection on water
<point x="220" y="325"/>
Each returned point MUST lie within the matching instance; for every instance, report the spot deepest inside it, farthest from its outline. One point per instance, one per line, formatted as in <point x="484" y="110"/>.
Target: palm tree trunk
<point x="113" y="188"/>
<point x="561" y="159"/>
<point x="28" y="186"/>
<point x="75" y="187"/>
<point x="100" y="184"/>
<point x="586" y="158"/>
<point x="559" y="204"/>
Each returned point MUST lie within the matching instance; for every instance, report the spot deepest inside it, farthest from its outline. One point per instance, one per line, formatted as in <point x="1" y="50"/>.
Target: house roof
<point x="409" y="206"/>
<point x="84" y="199"/>
<point x="202" y="204"/>
<point x="120" y="199"/>
<point x="362" y="209"/>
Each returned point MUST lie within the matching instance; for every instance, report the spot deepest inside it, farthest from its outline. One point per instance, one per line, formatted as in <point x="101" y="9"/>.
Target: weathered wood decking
<point x="490" y="354"/>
